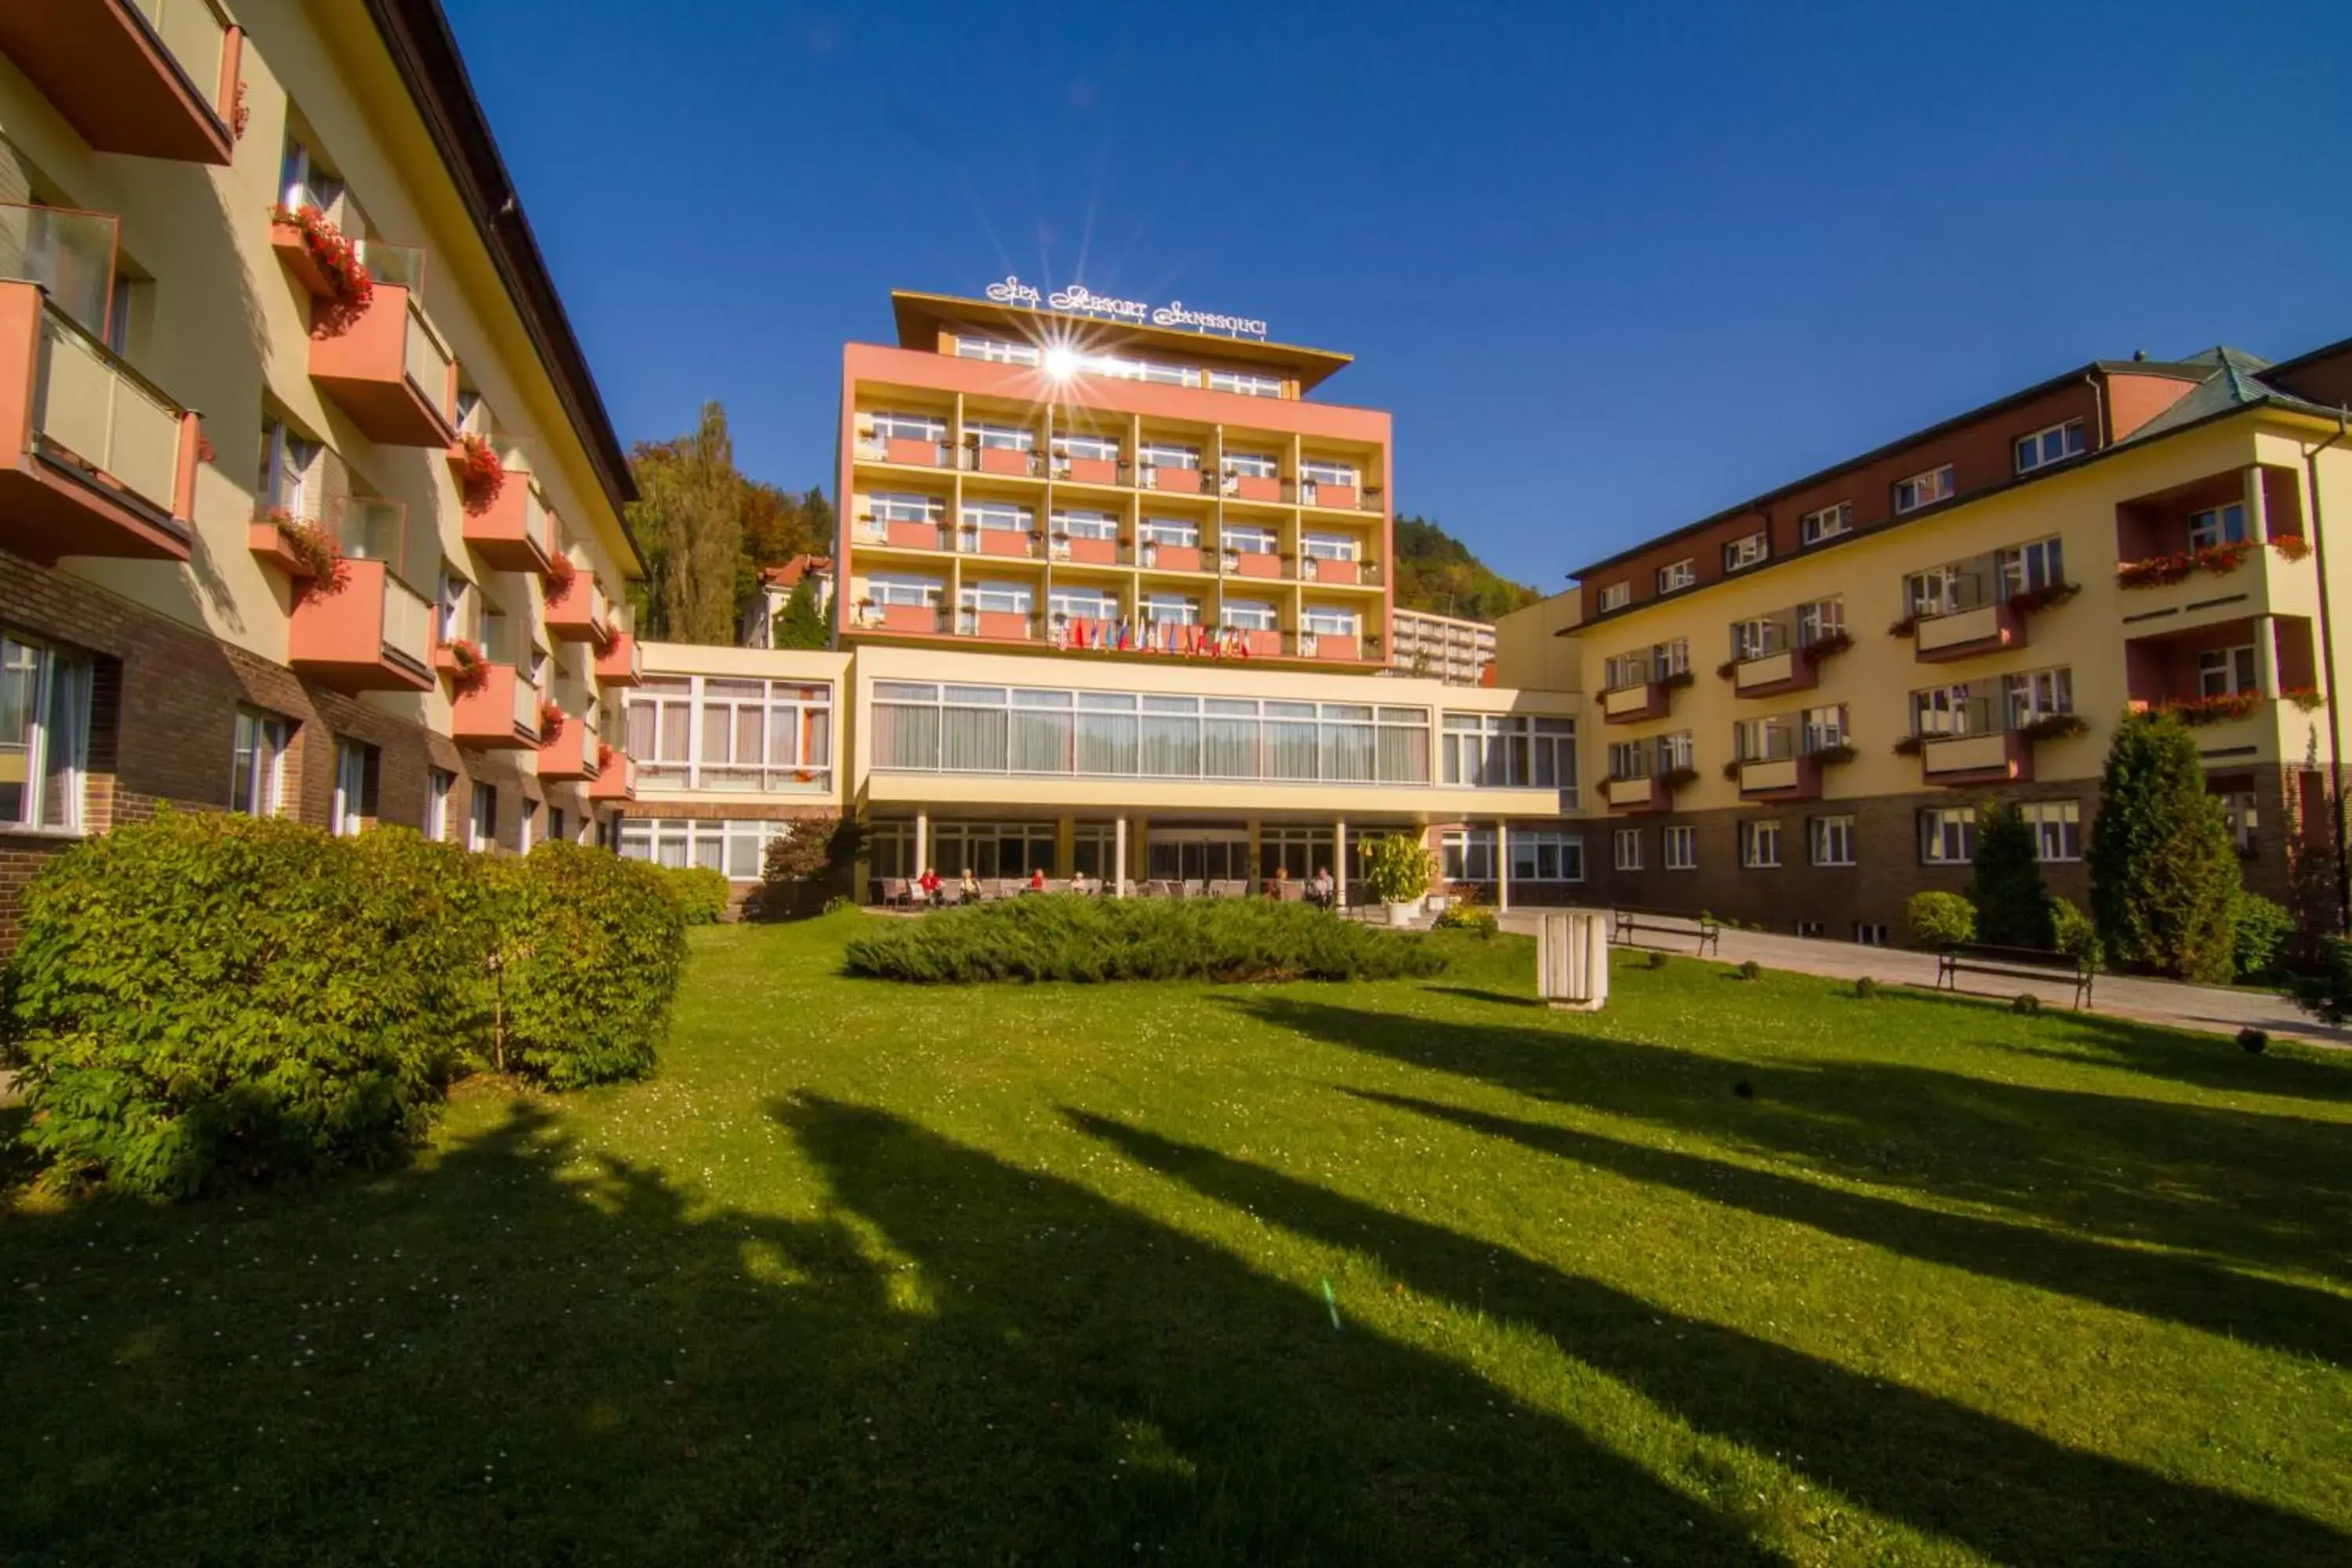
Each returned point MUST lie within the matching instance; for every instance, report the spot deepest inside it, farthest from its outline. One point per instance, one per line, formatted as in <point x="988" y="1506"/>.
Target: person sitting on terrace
<point x="1037" y="879"/>
<point x="1320" y="890"/>
<point x="1082" y="885"/>
<point x="970" y="886"/>
<point x="1279" y="883"/>
<point x="930" y="883"/>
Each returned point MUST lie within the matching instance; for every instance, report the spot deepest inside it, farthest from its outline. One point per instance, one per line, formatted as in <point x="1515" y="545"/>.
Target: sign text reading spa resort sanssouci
<point x="1078" y="299"/>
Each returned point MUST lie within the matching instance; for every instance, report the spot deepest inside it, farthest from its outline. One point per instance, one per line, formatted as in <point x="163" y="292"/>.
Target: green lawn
<point x="1734" y="1271"/>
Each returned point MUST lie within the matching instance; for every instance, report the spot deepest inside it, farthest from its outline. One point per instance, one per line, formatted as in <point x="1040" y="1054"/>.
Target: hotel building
<point x="1443" y="648"/>
<point x="1109" y="596"/>
<point x="195" y="391"/>
<point x="1799" y="702"/>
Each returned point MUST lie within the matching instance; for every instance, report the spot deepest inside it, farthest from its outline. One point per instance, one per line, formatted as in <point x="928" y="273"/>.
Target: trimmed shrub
<point x="2025" y="1002"/>
<point x="205" y="999"/>
<point x="1937" y="919"/>
<point x="2164" y="870"/>
<point x="1462" y="914"/>
<point x="1865" y="988"/>
<point x="1657" y="960"/>
<point x="2073" y="933"/>
<point x="2012" y="902"/>
<point x="1751" y="970"/>
<point x="702" y="892"/>
<point x="1061" y="937"/>
<point x="811" y="862"/>
<point x="1396" y="867"/>
<point x="2261" y="931"/>
<point x="589" y="950"/>
<point x="2254" y="1042"/>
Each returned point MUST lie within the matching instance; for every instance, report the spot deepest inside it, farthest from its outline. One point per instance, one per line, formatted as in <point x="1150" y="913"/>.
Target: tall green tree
<point x="800" y="623"/>
<point x="2164" y="872"/>
<point x="2012" y="902"/>
<point x="688" y="522"/>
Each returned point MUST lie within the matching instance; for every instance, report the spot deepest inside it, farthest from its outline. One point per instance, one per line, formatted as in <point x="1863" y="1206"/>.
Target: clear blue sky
<point x="1611" y="268"/>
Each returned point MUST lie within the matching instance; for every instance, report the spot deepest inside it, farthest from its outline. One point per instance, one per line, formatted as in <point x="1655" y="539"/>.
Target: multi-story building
<point x="1800" y="702"/>
<point x="265" y="285"/>
<point x="1443" y="648"/>
<point x="777" y="584"/>
<point x="1108" y="596"/>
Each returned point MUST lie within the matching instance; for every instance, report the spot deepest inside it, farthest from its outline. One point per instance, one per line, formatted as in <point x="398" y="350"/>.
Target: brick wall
<point x="165" y="701"/>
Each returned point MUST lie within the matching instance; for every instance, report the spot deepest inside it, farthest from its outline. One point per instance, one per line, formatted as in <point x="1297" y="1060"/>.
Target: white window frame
<point x="1924" y="489"/>
<point x="1070" y="443"/>
<point x="1330" y="621"/>
<point x="1247" y="539"/>
<point x="1328" y="471"/>
<point x="1000" y="516"/>
<point x="1468" y="854"/>
<point x="258" y="762"/>
<point x="1625" y="849"/>
<point x="287" y="459"/>
<point x="1087" y="522"/>
<point x="1175" y="532"/>
<point x="999" y="438"/>
<point x="1676" y="576"/>
<point x="49" y="743"/>
<point x="482" y="836"/>
<point x="1759" y="845"/>
<point x="905" y="506"/>
<point x="2037" y="563"/>
<point x="997" y="351"/>
<point x="1251" y="465"/>
<point x="896" y="588"/>
<point x="2036" y="694"/>
<point x="2051" y="444"/>
<point x="2210" y="527"/>
<point x="1170" y="610"/>
<point x="1830" y="840"/>
<point x="1748" y="550"/>
<point x="1254" y="615"/>
<point x="1679" y="847"/>
<point x="2057" y="827"/>
<point x="1246" y="383"/>
<point x="1828" y="523"/>
<point x="2239" y="673"/>
<point x="1328" y="546"/>
<point x="891" y="425"/>
<point x="1084" y="603"/>
<point x="349" y="810"/>
<point x="1527" y="851"/>
<point x="1948" y="835"/>
<point x="1615" y="596"/>
<point x="1167" y="455"/>
<point x="439" y="785"/>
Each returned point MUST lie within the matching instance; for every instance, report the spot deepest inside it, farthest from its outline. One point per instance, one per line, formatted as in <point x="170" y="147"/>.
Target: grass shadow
<point x="2006" y="1492"/>
<point x="1473" y="994"/>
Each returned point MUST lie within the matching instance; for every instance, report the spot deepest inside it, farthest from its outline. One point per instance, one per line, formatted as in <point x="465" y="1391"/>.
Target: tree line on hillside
<point x="706" y="532"/>
<point x="1436" y="572"/>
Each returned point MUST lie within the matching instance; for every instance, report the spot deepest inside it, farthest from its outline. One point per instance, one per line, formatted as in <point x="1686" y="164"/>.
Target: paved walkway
<point x="2117" y="996"/>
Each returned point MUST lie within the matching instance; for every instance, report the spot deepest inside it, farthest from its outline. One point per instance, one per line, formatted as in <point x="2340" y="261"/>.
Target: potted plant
<point x="1396" y="869"/>
<point x="481" y="475"/>
<point x="1731" y="771"/>
<point x="334" y="268"/>
<point x="469" y="667"/>
<point x="550" y="719"/>
<point x="312" y="550"/>
<point x="559" y="573"/>
<point x="2055" y="727"/>
<point x="1829" y="645"/>
<point x="1728" y="669"/>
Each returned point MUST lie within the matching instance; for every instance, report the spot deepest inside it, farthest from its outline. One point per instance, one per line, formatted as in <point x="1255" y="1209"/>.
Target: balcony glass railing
<point x="93" y="411"/>
<point x="373" y="529"/>
<point x="194" y="32"/>
<point x="407" y="621"/>
<point x="69" y="254"/>
<point x="426" y="360"/>
<point x="402" y="266"/>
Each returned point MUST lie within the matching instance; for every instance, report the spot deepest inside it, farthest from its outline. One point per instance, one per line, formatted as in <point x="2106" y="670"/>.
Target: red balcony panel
<point x="1329" y="646"/>
<point x="1343" y="497"/>
<point x="914" y="535"/>
<point x="1256" y="487"/>
<point x="1090" y="470"/>
<point x="1006" y="460"/>
<point x="568" y="751"/>
<point x="912" y="450"/>
<point x="621" y="663"/>
<point x="390" y="371"/>
<point x="94" y="460"/>
<point x="515" y="532"/>
<point x="1175" y="482"/>
<point x="1172" y="557"/>
<point x="1012" y="626"/>
<point x="1093" y="551"/>
<point x="1007" y="542"/>
<point x="374" y="633"/>
<point x="1261" y="644"/>
<point x="576" y="610"/>
<point x="617" y="780"/>
<point x="286" y="240"/>
<point x="500" y="711"/>
<point x="1315" y="569"/>
<point x="126" y="87"/>
<point x="922" y="619"/>
<point x="1245" y="564"/>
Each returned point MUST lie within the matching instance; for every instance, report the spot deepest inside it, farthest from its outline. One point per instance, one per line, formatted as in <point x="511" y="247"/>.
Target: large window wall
<point x="729" y="733"/>
<point x="734" y="849"/>
<point x="1510" y="750"/>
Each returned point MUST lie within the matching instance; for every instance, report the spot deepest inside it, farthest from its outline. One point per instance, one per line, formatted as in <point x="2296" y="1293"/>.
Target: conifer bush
<point x="2164" y="870"/>
<point x="2012" y="902"/>
<point x="1051" y="937"/>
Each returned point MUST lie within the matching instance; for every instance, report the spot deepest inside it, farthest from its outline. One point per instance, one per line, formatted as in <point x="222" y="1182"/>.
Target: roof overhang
<point x="920" y="317"/>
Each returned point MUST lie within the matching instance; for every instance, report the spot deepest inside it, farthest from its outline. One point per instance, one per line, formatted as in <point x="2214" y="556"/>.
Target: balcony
<point x="1250" y="564"/>
<point x="567" y="749"/>
<point x="1342" y="573"/>
<point x="1966" y="634"/>
<point x="2004" y="756"/>
<point x="1336" y="645"/>
<point x="1636" y="795"/>
<point x="374" y="633"/>
<point x="576" y="610"/>
<point x="896" y="534"/>
<point x="97" y="460"/>
<point x="515" y="531"/>
<point x="997" y="626"/>
<point x="386" y="366"/>
<point x="1087" y="471"/>
<point x="1769" y="674"/>
<point x="621" y="662"/>
<point x="1006" y="543"/>
<point x="1253" y="487"/>
<point x="1337" y="497"/>
<point x="1649" y="700"/>
<point x="1172" y="557"/>
<point x="1081" y="550"/>
<point x="1169" y="481"/>
<point x="496" y="709"/>
<point x="915" y="620"/>
<point x="906" y="451"/>
<point x="1781" y="778"/>
<point x="617" y="779"/>
<point x="1005" y="462"/>
<point x="154" y="78"/>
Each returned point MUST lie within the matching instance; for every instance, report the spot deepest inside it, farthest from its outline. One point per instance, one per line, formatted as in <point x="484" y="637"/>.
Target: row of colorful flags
<point x="1124" y="635"/>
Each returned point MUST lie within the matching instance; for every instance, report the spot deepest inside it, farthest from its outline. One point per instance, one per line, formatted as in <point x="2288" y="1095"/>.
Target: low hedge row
<point x="207" y="999"/>
<point x="1050" y="937"/>
<point x="702" y="892"/>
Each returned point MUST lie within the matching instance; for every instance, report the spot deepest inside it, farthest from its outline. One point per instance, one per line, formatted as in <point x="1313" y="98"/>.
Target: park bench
<point x="1955" y="959"/>
<point x="1702" y="928"/>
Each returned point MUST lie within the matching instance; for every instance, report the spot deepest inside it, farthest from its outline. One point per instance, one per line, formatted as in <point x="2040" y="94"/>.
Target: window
<point x="1169" y="531"/>
<point x="1328" y="546"/>
<point x="713" y="732"/>
<point x="1755" y="639"/>
<point x="735" y="847"/>
<point x="1629" y="759"/>
<point x="1766" y="739"/>
<point x="1624" y="670"/>
<point x="1254" y="465"/>
<point x="1675" y="751"/>
<point x="1067" y="605"/>
<point x="2217" y="525"/>
<point x="909" y="428"/>
<point x="1823" y="728"/>
<point x="1000" y="516"/>
<point x="1948" y="834"/>
<point x="1323" y="620"/>
<point x="285" y="480"/>
<point x="1870" y="934"/>
<point x="449" y="613"/>
<point x="2238" y="807"/>
<point x="1500" y="750"/>
<point x="2225" y="671"/>
<point x="526" y="824"/>
<point x="1815" y="527"/>
<point x="1168" y="455"/>
<point x="258" y="765"/>
<point x="482" y="825"/>
<point x="356" y="769"/>
<point x="1084" y="524"/>
<point x="1936" y="592"/>
<point x="2057" y="829"/>
<point x="1672" y="658"/>
<point x="1759" y="845"/>
<point x="1468" y="854"/>
<point x="996" y="351"/>
<point x="1002" y="437"/>
<point x="1097" y="449"/>
<point x="1819" y="619"/>
<point x="1250" y="614"/>
<point x="44" y="699"/>
<point x="1616" y="596"/>
<point x="1682" y="848"/>
<point x="2039" y="694"/>
<point x="1949" y="710"/>
<point x="1247" y="386"/>
<point x="1626" y="849"/>
<point x="889" y="507"/>
<point x="1545" y="854"/>
<point x="1680" y="574"/>
<point x="1241" y="540"/>
<point x="1923" y="490"/>
<point x="439" y="785"/>
<point x="301" y="183"/>
<point x="999" y="598"/>
<point x="1328" y="471"/>
<point x="2040" y="564"/>
<point x="555" y="824"/>
<point x="2054" y="445"/>
<point x="1828" y="840"/>
<point x="902" y="590"/>
<point x="1170" y="610"/>
<point x="1743" y="553"/>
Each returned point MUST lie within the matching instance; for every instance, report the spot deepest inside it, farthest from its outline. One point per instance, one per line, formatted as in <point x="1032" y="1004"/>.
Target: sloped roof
<point x="2232" y="381"/>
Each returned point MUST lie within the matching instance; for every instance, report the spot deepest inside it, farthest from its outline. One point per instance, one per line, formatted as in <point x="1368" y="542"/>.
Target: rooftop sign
<point x="1078" y="299"/>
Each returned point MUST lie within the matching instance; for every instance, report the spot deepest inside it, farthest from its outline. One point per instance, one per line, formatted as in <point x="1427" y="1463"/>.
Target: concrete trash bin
<point x="1572" y="960"/>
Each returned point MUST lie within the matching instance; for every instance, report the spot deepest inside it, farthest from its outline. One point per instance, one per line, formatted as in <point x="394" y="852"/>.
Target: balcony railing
<point x="98" y="461"/>
<point x="621" y="662"/>
<point x="615" y="780"/>
<point x="373" y="633"/>
<point x="575" y="609"/>
<point x="154" y="78"/>
<point x="1007" y="462"/>
<point x="389" y="370"/>
<point x="495" y="709"/>
<point x="1013" y="543"/>
<point x="568" y="750"/>
<point x="515" y="532"/>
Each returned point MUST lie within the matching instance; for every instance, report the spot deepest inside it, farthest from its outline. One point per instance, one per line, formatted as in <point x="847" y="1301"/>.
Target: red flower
<point x="481" y="475"/>
<point x="317" y="554"/>
<point x="349" y="286"/>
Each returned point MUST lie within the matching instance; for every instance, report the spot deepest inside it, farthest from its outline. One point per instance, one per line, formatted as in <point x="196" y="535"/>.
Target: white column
<point x="2266" y="680"/>
<point x="1502" y="865"/>
<point x="1119" y="859"/>
<point x="1340" y="864"/>
<point x="2257" y="506"/>
<point x="923" y="844"/>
